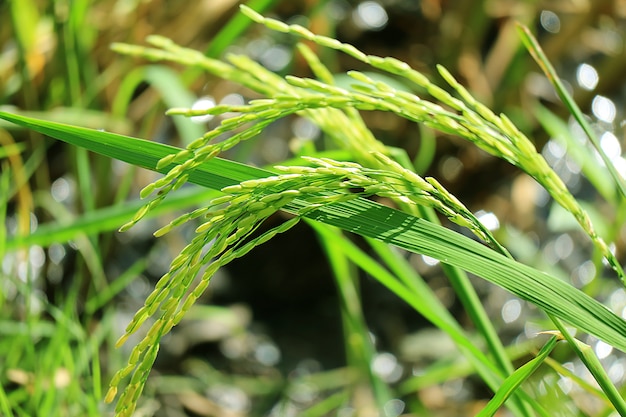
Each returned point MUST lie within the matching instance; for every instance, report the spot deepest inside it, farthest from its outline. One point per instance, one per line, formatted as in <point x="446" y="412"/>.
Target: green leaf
<point x="174" y="93"/>
<point x="106" y="219"/>
<point x="591" y="361"/>
<point x="25" y="19"/>
<point x="516" y="379"/>
<point x="373" y="220"/>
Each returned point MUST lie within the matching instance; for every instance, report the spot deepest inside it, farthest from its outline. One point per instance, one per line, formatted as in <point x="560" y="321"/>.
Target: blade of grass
<point x="452" y="368"/>
<point x="86" y="195"/>
<point x="5" y="183"/>
<point x="95" y="119"/>
<point x="21" y="185"/>
<point x="359" y="346"/>
<point x="473" y="305"/>
<point x="400" y="266"/>
<point x="84" y="178"/>
<point x="374" y="220"/>
<point x="109" y="218"/>
<point x="419" y="295"/>
<point x="120" y="283"/>
<point x="427" y="150"/>
<point x="580" y="380"/>
<point x="513" y="382"/>
<point x="172" y="90"/>
<point x="11" y="150"/>
<point x="591" y="361"/>
<point x="538" y="55"/>
<point x="416" y="293"/>
<point x="462" y="287"/>
<point x="4" y="402"/>
<point x="87" y="245"/>
<point x="25" y="17"/>
<point x="326" y="406"/>
<point x="96" y="370"/>
<point x="106" y="219"/>
<point x="23" y="172"/>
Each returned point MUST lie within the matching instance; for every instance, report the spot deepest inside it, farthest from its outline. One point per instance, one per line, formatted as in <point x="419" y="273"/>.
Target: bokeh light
<point x="370" y="15"/>
<point x="587" y="76"/>
<point x="550" y="21"/>
<point x="604" y="109"/>
<point x="203" y="103"/>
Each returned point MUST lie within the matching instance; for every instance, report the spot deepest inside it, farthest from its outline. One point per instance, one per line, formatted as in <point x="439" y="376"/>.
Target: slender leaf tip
<point x="556" y="333"/>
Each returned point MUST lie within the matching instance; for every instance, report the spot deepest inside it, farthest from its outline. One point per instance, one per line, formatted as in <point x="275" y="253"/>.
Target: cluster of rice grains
<point x="230" y="221"/>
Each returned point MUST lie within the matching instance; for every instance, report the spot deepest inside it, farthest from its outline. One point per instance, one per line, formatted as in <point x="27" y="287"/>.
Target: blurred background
<point x="267" y="338"/>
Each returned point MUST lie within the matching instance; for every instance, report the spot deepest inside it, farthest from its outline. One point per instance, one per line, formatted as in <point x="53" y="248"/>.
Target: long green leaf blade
<point x="514" y="381"/>
<point x="374" y="220"/>
<point x="105" y="219"/>
<point x="591" y="361"/>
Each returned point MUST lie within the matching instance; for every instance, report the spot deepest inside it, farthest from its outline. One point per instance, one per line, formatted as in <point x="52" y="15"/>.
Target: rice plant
<point x="328" y="193"/>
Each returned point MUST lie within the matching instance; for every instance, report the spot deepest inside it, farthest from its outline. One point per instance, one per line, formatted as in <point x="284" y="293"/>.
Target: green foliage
<point x="171" y="298"/>
<point x="330" y="196"/>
